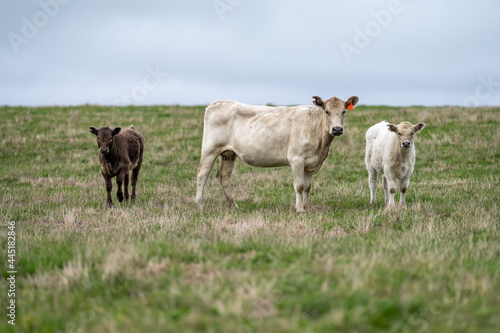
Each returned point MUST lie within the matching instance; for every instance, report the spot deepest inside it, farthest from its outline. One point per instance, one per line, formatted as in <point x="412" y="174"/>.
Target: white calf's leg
<point x="372" y="182"/>
<point x="386" y="189"/>
<point x="392" y="187"/>
<point x="403" y="185"/>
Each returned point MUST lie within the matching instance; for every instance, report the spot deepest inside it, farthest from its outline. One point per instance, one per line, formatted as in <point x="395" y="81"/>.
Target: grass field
<point x="163" y="265"/>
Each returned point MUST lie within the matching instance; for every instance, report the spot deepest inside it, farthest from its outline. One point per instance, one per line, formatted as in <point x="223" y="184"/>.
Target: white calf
<point x="391" y="152"/>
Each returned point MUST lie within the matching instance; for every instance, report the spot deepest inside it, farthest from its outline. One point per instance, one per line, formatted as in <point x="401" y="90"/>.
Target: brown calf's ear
<point x="116" y="131"/>
<point x="351" y="102"/>
<point x="93" y="130"/>
<point x="418" y="127"/>
<point x="318" y="101"/>
<point x="392" y="128"/>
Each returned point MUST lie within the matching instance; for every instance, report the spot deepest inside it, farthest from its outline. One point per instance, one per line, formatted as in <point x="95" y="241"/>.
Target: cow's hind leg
<point x="202" y="173"/>
<point x="224" y="175"/>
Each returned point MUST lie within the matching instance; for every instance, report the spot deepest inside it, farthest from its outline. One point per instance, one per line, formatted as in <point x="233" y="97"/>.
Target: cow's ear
<point x="418" y="127"/>
<point x="392" y="128"/>
<point x="93" y="130"/>
<point x="116" y="131"/>
<point x="318" y="101"/>
<point x="351" y="102"/>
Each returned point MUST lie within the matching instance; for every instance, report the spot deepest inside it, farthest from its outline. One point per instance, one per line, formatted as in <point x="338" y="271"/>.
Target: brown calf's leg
<point x="109" y="187"/>
<point x="125" y="186"/>
<point x="119" y="181"/>
<point x="135" y="175"/>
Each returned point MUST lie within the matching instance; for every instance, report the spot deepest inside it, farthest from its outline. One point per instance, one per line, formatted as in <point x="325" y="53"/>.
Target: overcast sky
<point x="420" y="52"/>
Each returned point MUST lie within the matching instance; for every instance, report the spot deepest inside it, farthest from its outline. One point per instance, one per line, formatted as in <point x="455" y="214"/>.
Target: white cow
<point x="390" y="150"/>
<point x="264" y="136"/>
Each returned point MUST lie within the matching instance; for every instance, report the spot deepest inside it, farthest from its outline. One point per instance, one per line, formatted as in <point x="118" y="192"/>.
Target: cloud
<point x="280" y="52"/>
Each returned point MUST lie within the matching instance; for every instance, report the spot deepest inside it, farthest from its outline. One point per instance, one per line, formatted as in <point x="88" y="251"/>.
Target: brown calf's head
<point x="105" y="138"/>
<point x="406" y="132"/>
<point x="335" y="109"/>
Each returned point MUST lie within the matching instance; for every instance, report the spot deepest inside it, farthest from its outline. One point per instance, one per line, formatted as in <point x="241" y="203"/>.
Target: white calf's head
<point x="335" y="109"/>
<point x="406" y="132"/>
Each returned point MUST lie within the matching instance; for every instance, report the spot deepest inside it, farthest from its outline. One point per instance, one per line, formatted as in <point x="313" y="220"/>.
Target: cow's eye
<point x="327" y="112"/>
<point x="399" y="134"/>
<point x="343" y="112"/>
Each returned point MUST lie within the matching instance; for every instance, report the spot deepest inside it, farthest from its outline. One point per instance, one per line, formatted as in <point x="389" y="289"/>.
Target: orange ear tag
<point x="350" y="107"/>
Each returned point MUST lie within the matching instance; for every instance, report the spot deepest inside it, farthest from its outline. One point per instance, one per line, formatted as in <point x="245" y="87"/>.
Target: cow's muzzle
<point x="406" y="144"/>
<point x="104" y="150"/>
<point x="337" y="130"/>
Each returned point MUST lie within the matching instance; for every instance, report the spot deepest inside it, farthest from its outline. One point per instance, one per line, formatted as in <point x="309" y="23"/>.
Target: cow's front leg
<point x="298" y="183"/>
<point x="307" y="188"/>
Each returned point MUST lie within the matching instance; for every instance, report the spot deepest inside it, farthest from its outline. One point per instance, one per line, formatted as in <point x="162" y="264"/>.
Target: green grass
<point x="163" y="265"/>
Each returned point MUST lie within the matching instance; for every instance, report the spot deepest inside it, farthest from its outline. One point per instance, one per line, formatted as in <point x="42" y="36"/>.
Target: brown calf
<point x="119" y="152"/>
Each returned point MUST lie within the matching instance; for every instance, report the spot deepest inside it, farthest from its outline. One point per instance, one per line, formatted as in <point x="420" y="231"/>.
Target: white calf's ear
<point x="392" y="128"/>
<point x="418" y="127"/>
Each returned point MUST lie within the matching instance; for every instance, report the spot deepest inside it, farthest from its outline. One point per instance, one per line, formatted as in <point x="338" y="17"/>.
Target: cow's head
<point x="406" y="132"/>
<point x="105" y="138"/>
<point x="335" y="109"/>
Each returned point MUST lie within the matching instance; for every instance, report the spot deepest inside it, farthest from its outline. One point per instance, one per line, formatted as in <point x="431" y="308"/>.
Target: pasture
<point x="163" y="265"/>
